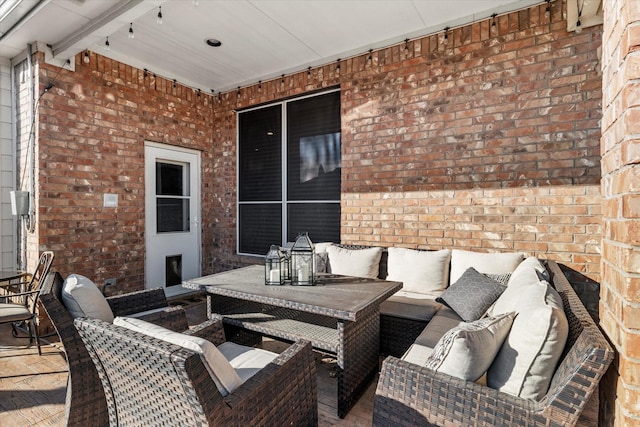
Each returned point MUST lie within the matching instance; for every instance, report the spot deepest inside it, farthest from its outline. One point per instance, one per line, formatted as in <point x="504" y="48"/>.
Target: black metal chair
<point x="22" y="306"/>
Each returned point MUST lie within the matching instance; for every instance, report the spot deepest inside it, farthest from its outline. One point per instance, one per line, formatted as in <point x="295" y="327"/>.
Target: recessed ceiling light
<point x="213" y="42"/>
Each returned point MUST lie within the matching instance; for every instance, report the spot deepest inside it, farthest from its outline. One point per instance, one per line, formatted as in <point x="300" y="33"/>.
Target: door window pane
<point x="170" y="179"/>
<point x="172" y="214"/>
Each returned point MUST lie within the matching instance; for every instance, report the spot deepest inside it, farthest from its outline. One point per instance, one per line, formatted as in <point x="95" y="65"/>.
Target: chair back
<point x="43" y="267"/>
<point x="149" y="381"/>
<point x="85" y="403"/>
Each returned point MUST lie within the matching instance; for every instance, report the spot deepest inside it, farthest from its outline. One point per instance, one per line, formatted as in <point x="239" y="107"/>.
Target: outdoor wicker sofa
<point x="85" y="401"/>
<point x="149" y="381"/>
<point x="411" y="395"/>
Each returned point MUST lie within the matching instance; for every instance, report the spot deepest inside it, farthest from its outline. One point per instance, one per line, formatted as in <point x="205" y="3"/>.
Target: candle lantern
<point x="274" y="264"/>
<point x="302" y="268"/>
<point x="286" y="265"/>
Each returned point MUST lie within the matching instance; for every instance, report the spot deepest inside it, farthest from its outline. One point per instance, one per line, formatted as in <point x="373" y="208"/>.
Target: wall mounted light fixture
<point x="107" y="45"/>
<point x="131" y="34"/>
<point x="579" y="22"/>
<point x="159" y="17"/>
<point x="445" y="39"/>
<point x="85" y="57"/>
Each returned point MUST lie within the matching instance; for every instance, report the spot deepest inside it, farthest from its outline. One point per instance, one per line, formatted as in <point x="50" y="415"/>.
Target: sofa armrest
<point x="212" y="330"/>
<point x="135" y="302"/>
<point x="271" y="388"/>
<point x="410" y="395"/>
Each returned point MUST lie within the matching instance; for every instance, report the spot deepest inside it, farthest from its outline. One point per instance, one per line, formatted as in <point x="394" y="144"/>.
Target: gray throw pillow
<point x="471" y="295"/>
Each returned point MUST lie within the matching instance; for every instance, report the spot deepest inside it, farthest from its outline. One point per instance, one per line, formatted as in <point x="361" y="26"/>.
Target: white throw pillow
<point x="419" y="271"/>
<point x="468" y="350"/>
<point x="485" y="263"/>
<point x="82" y="298"/>
<point x="355" y="262"/>
<point x="526" y="266"/>
<point x="221" y="371"/>
<point x="527" y="360"/>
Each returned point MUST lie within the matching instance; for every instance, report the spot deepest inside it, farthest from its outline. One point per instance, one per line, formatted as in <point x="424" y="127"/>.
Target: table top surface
<point x="337" y="296"/>
<point x="6" y="275"/>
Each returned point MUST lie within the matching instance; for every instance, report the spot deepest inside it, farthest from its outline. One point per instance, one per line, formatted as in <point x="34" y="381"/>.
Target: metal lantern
<point x="286" y="265"/>
<point x="302" y="265"/>
<point x="274" y="264"/>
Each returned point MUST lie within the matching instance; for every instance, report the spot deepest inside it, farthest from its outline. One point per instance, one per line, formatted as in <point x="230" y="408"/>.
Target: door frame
<point x="152" y="152"/>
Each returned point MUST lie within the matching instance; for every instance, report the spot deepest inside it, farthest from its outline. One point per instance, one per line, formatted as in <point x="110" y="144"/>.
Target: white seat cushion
<point x="355" y="262"/>
<point x="527" y="360"/>
<point x="485" y="263"/>
<point x="82" y="298"/>
<point x="246" y="361"/>
<point x="468" y="350"/>
<point x="223" y="374"/>
<point x="419" y="271"/>
<point x="411" y="305"/>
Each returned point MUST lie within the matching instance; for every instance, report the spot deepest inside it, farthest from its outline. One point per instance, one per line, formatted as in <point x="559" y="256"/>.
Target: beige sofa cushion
<point x="467" y="351"/>
<point x="246" y="361"/>
<point x="527" y="360"/>
<point x="419" y="271"/>
<point x="486" y="263"/>
<point x="82" y="298"/>
<point x="526" y="267"/>
<point x="221" y="371"/>
<point x="439" y="325"/>
<point x="354" y="262"/>
<point x="411" y="305"/>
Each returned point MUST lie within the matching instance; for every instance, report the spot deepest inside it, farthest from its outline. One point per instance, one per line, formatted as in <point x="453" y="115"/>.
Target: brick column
<point x="620" y="146"/>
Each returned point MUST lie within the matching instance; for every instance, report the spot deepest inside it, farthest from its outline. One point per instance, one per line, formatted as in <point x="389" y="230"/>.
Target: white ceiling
<point x="261" y="39"/>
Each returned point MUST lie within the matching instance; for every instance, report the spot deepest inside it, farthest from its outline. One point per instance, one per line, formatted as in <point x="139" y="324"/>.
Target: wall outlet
<point x="110" y="282"/>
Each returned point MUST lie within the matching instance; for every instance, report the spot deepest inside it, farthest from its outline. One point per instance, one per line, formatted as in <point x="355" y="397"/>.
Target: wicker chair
<point x="151" y="382"/>
<point x="411" y="395"/>
<point x="85" y="402"/>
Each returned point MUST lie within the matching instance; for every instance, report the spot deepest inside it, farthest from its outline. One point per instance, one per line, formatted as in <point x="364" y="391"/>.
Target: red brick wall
<point x="93" y="125"/>
<point x="620" y="290"/>
<point x="489" y="143"/>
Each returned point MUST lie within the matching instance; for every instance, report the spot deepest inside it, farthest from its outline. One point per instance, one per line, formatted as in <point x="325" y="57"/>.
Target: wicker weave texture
<point x="85" y="402"/>
<point x="410" y="395"/>
<point x="149" y="382"/>
<point x="352" y="335"/>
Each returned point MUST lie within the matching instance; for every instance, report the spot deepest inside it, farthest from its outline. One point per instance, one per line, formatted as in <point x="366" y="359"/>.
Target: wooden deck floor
<point x="33" y="388"/>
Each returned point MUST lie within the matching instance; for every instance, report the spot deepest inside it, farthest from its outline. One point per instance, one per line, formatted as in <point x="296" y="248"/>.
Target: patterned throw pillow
<point x="503" y="278"/>
<point x="468" y="350"/>
<point x="471" y="295"/>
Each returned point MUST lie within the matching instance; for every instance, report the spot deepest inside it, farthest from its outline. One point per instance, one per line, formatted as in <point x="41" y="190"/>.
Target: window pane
<point x="169" y="179"/>
<point x="321" y="220"/>
<point x="313" y="148"/>
<point x="260" y="226"/>
<point x="172" y="214"/>
<point x="260" y="148"/>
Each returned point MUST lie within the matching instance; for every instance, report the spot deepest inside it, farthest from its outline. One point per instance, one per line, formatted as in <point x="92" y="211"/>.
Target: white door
<point x="172" y="212"/>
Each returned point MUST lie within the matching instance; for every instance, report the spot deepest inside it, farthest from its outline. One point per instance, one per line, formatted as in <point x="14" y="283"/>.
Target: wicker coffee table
<point x="340" y="315"/>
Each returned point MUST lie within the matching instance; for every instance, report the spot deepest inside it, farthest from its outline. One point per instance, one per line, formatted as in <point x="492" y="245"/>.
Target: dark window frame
<point x="309" y="157"/>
